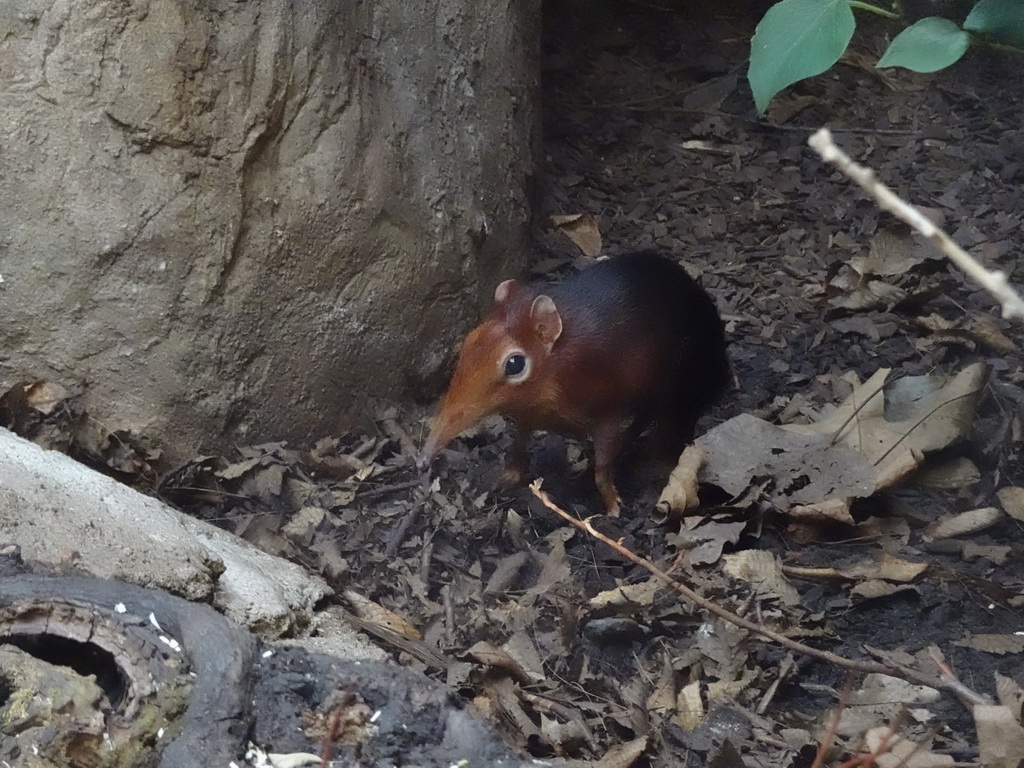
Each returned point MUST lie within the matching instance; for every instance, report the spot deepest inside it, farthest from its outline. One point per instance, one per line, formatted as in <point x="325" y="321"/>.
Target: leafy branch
<point x="798" y="39"/>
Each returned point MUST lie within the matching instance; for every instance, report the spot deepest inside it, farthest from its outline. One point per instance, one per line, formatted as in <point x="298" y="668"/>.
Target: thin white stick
<point x="994" y="281"/>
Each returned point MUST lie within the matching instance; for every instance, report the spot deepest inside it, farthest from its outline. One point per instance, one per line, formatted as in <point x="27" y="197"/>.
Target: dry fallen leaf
<point x="44" y="396"/>
<point x="689" y="707"/>
<point x="889" y="568"/>
<point x="952" y="472"/>
<point x="800" y="469"/>
<point x="371" y="612"/>
<point x="880" y="699"/>
<point x="520" y="647"/>
<point x="623" y="755"/>
<point x="706" y="541"/>
<point x="629" y="596"/>
<point x="680" y="492"/>
<point x="1011" y="499"/>
<point x="763" y="571"/>
<point x="1000" y="736"/>
<point x="966" y="522"/>
<point x="897" y="752"/>
<point x="493" y="656"/>
<point x="966" y="331"/>
<point x="1011" y="695"/>
<point x="860" y="286"/>
<point x="893" y="427"/>
<point x="875" y="588"/>
<point x="582" y="229"/>
<point x="997" y="644"/>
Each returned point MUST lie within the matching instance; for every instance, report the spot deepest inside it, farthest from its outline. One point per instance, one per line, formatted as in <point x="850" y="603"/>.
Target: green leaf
<point x="1002" y="19"/>
<point x="795" y="40"/>
<point x="929" y="45"/>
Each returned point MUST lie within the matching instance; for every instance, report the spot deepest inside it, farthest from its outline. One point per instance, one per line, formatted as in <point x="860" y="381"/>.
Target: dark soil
<point x="649" y="127"/>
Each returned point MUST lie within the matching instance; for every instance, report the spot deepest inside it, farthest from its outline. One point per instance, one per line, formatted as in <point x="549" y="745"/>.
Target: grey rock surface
<point x="57" y="510"/>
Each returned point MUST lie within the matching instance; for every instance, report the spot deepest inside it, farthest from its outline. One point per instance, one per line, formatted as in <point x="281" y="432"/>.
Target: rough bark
<point x="233" y="220"/>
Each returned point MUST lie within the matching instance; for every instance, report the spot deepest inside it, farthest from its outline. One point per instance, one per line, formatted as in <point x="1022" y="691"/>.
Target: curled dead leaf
<point x="893" y="425"/>
<point x="623" y="755"/>
<point x="493" y="656"/>
<point x="45" y="396"/>
<point x="582" y="229"/>
<point x="680" y="492"/>
<point x="964" y="523"/>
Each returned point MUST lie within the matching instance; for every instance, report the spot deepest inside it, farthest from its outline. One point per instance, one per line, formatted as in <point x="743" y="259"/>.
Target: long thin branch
<point x="859" y="665"/>
<point x="993" y="281"/>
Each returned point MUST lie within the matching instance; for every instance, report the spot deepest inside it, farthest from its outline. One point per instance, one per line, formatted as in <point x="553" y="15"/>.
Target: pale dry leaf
<point x="706" y="541"/>
<point x="796" y="469"/>
<point x="293" y="759"/>
<point x="689" y="707"/>
<point x="898" y="752"/>
<point x="999" y="645"/>
<point x="830" y="510"/>
<point x="1000" y="736"/>
<point x="950" y="472"/>
<point x="985" y="328"/>
<point x="995" y="554"/>
<point x="893" y="251"/>
<point x="888" y="568"/>
<point x="875" y="588"/>
<point x="894" y="429"/>
<point x="506" y="573"/>
<point x="663" y="698"/>
<point x="885" y="689"/>
<point x="726" y="691"/>
<point x="493" y="656"/>
<point x="582" y="229"/>
<point x="561" y="734"/>
<point x="44" y="396"/>
<point x="623" y="755"/>
<point x="303" y="522"/>
<point x="880" y="698"/>
<point x="505" y="705"/>
<point x="630" y="596"/>
<point x="862" y="287"/>
<point x="371" y="612"/>
<point x="522" y="649"/>
<point x="238" y="469"/>
<point x="1011" y="695"/>
<point x="1011" y="499"/>
<point x="935" y="322"/>
<point x="763" y="571"/>
<point x="680" y="492"/>
<point x="555" y="564"/>
<point x="963" y="523"/>
<point x="896" y="529"/>
<point x="796" y="738"/>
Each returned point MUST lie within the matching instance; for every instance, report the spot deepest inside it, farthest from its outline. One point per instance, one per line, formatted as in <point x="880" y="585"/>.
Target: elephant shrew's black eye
<point x="515" y="364"/>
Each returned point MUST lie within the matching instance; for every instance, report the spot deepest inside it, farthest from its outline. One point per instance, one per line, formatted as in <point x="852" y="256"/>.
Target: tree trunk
<point x="231" y="220"/>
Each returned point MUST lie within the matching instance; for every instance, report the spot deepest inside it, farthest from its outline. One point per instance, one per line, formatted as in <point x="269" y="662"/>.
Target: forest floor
<point x="570" y="648"/>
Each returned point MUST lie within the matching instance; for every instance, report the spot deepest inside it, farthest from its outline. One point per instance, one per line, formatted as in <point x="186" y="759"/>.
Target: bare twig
<point x="993" y="281"/>
<point x="888" y="667"/>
